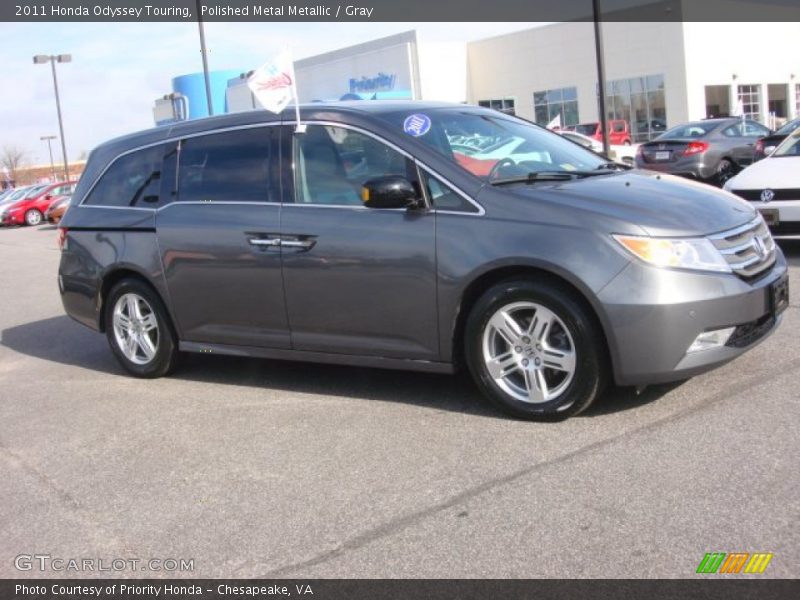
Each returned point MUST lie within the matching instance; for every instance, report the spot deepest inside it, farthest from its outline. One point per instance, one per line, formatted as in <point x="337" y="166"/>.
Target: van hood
<point x="661" y="205"/>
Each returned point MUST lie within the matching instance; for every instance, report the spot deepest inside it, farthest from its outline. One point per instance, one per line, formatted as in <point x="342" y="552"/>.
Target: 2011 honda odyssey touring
<point x="378" y="238"/>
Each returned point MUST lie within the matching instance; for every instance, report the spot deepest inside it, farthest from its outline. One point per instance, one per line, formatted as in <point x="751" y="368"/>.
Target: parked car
<point x="766" y="145"/>
<point x="647" y="129"/>
<point x="58" y="207"/>
<point x="712" y="150"/>
<point x="546" y="278"/>
<point x="625" y="155"/>
<point x="772" y="186"/>
<point x="20" y="194"/>
<point x="618" y="131"/>
<point x="584" y="140"/>
<point x="30" y="209"/>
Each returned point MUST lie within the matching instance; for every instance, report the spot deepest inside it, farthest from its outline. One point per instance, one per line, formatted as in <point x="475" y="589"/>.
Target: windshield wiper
<point x="535" y="176"/>
<point x="613" y="166"/>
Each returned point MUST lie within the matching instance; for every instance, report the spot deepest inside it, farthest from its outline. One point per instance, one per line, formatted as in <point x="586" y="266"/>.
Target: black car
<point x="766" y="145"/>
<point x="712" y="150"/>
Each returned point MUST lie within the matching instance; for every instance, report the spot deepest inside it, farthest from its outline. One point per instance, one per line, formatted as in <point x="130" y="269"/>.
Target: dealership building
<point x="658" y="74"/>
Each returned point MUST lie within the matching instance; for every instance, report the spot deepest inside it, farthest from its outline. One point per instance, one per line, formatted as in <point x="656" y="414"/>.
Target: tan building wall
<point x="563" y="55"/>
<point x="43" y="173"/>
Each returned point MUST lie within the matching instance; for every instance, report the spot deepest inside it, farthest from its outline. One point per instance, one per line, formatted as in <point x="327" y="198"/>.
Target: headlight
<point x="681" y="253"/>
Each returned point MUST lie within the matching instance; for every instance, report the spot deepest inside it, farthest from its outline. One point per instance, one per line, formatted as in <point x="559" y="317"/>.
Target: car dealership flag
<point x="555" y="123"/>
<point x="274" y="86"/>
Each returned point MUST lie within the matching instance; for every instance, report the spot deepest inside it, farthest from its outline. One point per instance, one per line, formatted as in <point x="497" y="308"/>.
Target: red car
<point x="30" y="209"/>
<point x="619" y="134"/>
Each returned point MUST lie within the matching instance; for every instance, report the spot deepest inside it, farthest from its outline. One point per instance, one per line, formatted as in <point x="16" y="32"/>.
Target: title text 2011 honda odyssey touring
<point x="378" y="238"/>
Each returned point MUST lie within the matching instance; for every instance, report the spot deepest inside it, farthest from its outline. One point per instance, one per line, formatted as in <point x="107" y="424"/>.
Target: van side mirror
<point x="391" y="191"/>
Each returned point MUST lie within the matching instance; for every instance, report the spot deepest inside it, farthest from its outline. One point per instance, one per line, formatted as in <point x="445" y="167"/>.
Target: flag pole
<point x="299" y="127"/>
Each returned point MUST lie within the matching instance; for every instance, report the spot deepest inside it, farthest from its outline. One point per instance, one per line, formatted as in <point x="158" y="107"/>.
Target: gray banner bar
<point x="398" y="10"/>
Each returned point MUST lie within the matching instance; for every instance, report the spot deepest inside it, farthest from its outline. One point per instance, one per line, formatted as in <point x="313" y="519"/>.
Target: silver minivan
<point x="419" y="236"/>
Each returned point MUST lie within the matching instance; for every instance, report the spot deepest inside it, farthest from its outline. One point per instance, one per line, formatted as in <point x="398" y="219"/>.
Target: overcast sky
<point x="119" y="69"/>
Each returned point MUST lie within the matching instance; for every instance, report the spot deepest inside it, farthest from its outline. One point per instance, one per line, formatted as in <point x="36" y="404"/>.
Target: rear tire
<point x="534" y="350"/>
<point x="139" y="330"/>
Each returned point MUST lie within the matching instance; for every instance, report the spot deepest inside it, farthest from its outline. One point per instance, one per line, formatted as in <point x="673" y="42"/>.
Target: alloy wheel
<point x="529" y="352"/>
<point x="135" y="328"/>
<point x="33" y="217"/>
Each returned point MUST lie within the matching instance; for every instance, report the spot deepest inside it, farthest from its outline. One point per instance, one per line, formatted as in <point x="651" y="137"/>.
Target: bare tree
<point x="11" y="159"/>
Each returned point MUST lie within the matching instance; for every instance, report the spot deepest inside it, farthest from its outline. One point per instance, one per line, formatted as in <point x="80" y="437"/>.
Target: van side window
<point x="332" y="163"/>
<point x="232" y="166"/>
<point x="131" y="180"/>
<point x="444" y="198"/>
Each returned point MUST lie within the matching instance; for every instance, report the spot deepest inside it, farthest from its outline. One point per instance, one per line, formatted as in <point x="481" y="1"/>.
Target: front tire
<point x="534" y="350"/>
<point x="139" y="331"/>
<point x="33" y="217"/>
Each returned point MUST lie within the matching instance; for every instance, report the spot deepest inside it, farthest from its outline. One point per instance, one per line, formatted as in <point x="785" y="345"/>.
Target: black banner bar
<point x="404" y="589"/>
<point x="398" y="10"/>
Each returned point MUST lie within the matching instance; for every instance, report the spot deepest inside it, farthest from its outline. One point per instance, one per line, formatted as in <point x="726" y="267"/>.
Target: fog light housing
<point x="711" y="339"/>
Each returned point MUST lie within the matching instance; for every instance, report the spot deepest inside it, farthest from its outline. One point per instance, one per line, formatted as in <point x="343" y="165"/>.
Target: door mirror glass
<point x="392" y="191"/>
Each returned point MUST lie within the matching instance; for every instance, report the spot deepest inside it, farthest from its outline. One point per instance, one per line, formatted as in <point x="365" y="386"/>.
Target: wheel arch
<point x="478" y="286"/>
<point x="112" y="278"/>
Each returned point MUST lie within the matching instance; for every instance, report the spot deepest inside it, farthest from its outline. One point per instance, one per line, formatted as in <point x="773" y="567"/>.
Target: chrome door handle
<point x="306" y="244"/>
<point x="265" y="242"/>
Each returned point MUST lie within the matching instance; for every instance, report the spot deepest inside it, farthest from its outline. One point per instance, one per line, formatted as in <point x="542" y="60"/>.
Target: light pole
<point x="204" y="54"/>
<point x="48" y="139"/>
<point x="40" y="59"/>
<point x="601" y="74"/>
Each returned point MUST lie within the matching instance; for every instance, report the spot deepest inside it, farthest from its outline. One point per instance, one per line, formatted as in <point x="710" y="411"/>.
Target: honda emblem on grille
<point x="759" y="247"/>
<point x="767" y="195"/>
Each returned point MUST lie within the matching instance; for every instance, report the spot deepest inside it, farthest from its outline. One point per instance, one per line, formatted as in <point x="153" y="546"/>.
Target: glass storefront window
<point x="749" y="96"/>
<point x="797" y="99"/>
<point x="640" y="102"/>
<point x="504" y="105"/>
<point x="547" y="104"/>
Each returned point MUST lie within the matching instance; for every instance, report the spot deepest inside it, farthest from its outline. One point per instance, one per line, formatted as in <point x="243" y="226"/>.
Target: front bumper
<point x="12" y="218"/>
<point x="653" y="315"/>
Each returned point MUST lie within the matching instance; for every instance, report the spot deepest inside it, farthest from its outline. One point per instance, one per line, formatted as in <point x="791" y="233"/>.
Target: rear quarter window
<point x="132" y="180"/>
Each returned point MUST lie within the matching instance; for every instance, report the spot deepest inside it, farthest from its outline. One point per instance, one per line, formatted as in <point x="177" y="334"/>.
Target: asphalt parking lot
<point x="277" y="469"/>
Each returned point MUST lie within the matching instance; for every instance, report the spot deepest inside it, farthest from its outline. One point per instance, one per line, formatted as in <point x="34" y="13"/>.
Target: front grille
<point x="779" y="194"/>
<point x="749" y="249"/>
<point x="750" y="333"/>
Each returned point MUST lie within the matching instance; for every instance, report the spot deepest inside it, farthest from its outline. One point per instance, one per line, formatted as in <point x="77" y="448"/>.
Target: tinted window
<point x="62" y="190"/>
<point x="444" y="198"/>
<point x="755" y="130"/>
<point x="333" y="163"/>
<point x="689" y="130"/>
<point x="233" y="166"/>
<point x="789" y="127"/>
<point x="586" y="128"/>
<point x="733" y="130"/>
<point x="131" y="180"/>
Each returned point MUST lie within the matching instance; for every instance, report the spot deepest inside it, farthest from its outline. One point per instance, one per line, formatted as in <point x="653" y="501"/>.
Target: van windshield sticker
<point x="417" y="125"/>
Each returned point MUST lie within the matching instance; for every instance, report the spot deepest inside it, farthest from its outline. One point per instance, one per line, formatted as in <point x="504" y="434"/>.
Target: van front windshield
<point x="492" y="146"/>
